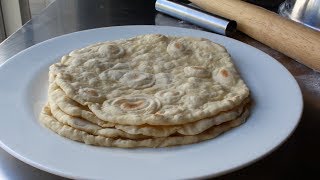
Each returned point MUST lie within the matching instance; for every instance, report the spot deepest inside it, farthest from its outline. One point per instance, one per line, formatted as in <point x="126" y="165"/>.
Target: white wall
<point x="11" y="15"/>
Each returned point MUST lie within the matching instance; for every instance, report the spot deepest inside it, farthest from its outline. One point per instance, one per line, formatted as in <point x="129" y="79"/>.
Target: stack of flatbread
<point x="147" y="91"/>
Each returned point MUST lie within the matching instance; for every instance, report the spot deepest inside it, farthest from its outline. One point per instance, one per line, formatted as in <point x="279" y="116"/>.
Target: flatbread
<point x="147" y="91"/>
<point x="73" y="108"/>
<point x="192" y="128"/>
<point x="89" y="127"/>
<point x="70" y="107"/>
<point x="152" y="79"/>
<point x="69" y="132"/>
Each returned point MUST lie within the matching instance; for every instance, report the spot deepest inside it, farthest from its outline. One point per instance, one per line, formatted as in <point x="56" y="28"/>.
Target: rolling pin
<point x="288" y="37"/>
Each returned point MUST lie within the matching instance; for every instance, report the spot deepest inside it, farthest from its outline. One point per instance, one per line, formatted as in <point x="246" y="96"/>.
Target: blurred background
<point x="14" y="13"/>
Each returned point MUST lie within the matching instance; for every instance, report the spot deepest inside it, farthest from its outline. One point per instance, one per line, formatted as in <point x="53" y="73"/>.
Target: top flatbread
<point x="152" y="79"/>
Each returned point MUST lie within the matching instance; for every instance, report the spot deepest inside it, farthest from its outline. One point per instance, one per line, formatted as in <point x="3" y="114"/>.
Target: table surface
<point x="298" y="157"/>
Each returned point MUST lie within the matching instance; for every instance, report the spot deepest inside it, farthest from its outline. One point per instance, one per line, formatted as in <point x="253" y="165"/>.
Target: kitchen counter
<point x="297" y="158"/>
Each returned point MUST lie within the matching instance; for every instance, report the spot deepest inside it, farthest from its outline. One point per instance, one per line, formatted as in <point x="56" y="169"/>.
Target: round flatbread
<point x="89" y="127"/>
<point x="192" y="128"/>
<point x="69" y="132"/>
<point x="152" y="79"/>
<point x="72" y="108"/>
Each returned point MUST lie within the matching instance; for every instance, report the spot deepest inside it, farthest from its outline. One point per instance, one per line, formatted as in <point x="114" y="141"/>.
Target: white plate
<point x="23" y="84"/>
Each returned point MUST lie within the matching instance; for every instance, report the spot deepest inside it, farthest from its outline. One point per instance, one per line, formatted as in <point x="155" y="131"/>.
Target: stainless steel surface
<point x="25" y="10"/>
<point x="297" y="158"/>
<point x="196" y="16"/>
<point x="306" y="12"/>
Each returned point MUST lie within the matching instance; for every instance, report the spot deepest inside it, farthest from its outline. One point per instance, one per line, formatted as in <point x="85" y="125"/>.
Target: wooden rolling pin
<point x="288" y="37"/>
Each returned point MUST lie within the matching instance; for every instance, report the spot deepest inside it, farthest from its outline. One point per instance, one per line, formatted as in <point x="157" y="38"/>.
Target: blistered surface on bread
<point x="72" y="110"/>
<point x="152" y="79"/>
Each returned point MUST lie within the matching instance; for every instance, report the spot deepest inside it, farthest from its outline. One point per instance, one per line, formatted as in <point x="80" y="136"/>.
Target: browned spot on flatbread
<point x="178" y="45"/>
<point x="132" y="105"/>
<point x="224" y="73"/>
<point x="91" y="92"/>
